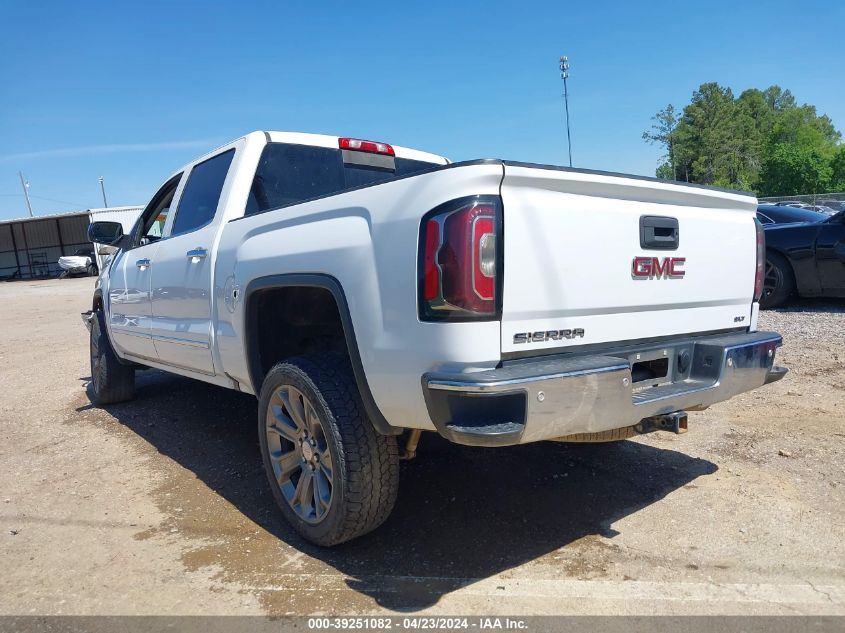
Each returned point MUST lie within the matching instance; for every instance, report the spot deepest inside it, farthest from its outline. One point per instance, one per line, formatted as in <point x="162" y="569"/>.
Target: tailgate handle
<point x="659" y="232"/>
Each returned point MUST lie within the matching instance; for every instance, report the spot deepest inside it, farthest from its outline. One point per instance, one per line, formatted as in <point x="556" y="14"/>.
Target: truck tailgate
<point x="570" y="273"/>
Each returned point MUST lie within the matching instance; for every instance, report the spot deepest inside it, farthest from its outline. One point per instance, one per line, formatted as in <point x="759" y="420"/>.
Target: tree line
<point x="761" y="141"/>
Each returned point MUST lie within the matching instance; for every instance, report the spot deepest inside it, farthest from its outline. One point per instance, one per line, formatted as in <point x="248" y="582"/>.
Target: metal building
<point x="31" y="247"/>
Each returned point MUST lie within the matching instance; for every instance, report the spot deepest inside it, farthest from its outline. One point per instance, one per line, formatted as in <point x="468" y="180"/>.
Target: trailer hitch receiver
<point x="675" y="422"/>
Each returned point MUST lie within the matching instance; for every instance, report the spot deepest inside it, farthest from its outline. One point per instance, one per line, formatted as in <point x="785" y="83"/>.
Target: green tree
<point x="704" y="133"/>
<point x="661" y="132"/>
<point x="791" y="170"/>
<point x="803" y="127"/>
<point x="725" y="140"/>
<point x="837" y="168"/>
<point x="778" y="99"/>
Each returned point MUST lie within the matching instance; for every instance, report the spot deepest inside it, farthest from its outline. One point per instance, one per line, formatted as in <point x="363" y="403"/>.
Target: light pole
<point x="103" y="189"/>
<point x="564" y="74"/>
<point x="25" y="185"/>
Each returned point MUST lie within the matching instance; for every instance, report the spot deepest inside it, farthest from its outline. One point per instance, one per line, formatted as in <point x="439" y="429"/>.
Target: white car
<point x="365" y="293"/>
<point x="82" y="262"/>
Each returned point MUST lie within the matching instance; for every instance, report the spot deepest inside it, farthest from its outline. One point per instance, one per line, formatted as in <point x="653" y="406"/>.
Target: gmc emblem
<point x="656" y="268"/>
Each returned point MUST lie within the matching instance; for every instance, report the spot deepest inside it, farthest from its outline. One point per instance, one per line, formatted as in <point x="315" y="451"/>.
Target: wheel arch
<point x="97" y="302"/>
<point x="253" y="343"/>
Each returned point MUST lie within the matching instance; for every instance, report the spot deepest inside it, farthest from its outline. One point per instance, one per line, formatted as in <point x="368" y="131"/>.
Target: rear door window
<point x="199" y="200"/>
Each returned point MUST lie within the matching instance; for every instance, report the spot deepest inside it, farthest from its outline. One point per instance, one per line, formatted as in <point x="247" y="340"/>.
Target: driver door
<point x="130" y="306"/>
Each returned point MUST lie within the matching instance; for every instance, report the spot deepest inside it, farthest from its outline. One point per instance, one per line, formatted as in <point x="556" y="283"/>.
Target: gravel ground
<point x="160" y="506"/>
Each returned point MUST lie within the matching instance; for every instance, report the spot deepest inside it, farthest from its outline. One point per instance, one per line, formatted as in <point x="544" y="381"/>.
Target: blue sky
<point x="131" y="90"/>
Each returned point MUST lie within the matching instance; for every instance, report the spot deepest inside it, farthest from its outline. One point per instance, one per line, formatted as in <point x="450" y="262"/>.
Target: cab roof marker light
<point x="371" y="147"/>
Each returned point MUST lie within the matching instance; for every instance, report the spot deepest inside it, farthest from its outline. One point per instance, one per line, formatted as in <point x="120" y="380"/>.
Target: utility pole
<point x="103" y="189"/>
<point x="25" y="186"/>
<point x="564" y="74"/>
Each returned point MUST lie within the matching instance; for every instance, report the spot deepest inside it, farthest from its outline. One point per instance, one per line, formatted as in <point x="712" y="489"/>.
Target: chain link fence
<point x="825" y="202"/>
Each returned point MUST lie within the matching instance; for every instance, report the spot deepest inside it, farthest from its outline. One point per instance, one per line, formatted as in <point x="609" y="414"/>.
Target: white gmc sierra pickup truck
<point x="364" y="291"/>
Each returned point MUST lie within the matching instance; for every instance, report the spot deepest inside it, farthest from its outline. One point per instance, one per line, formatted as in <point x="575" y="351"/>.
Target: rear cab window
<point x="289" y="174"/>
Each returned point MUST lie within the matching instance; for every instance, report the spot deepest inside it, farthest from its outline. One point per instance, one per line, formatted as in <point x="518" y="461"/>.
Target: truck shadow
<point x="463" y="514"/>
<point x="825" y="305"/>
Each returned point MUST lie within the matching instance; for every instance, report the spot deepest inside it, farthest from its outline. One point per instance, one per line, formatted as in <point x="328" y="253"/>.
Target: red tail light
<point x="431" y="274"/>
<point x="761" y="261"/>
<point x="460" y="260"/>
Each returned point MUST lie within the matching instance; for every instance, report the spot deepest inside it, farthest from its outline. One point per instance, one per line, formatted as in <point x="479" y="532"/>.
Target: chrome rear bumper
<point x="547" y="398"/>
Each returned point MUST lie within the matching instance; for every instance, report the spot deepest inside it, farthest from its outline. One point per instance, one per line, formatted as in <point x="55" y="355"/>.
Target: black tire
<point x="364" y="465"/>
<point x="111" y="381"/>
<point x="779" y="282"/>
<point x="91" y="271"/>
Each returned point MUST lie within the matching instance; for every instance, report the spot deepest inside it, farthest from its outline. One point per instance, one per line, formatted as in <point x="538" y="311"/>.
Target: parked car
<point x="804" y="257"/>
<point x="82" y="262"/>
<point x="364" y="291"/>
<point x="836" y="205"/>
<point x="775" y="214"/>
<point x="821" y="207"/>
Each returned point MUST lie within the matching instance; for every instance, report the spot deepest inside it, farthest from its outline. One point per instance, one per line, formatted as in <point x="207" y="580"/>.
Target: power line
<point x="74" y="204"/>
<point x="20" y="195"/>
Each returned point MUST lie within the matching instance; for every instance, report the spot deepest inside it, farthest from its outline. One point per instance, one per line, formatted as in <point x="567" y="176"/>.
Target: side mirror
<point x="109" y="233"/>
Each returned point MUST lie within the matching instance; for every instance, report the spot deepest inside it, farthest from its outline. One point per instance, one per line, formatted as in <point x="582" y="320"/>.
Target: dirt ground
<point x="160" y="505"/>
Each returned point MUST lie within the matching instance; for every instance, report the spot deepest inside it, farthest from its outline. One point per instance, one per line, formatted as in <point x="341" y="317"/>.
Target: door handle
<point x="197" y="254"/>
<point x="143" y="264"/>
<point x="659" y="232"/>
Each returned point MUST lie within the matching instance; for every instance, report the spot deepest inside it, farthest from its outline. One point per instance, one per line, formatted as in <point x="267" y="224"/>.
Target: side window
<point x="198" y="203"/>
<point x="288" y="174"/>
<point x="156" y="227"/>
<point x="764" y="219"/>
<point x="152" y="220"/>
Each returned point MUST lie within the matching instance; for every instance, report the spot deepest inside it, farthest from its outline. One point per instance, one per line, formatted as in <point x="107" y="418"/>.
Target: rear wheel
<point x="333" y="476"/>
<point x="111" y="381"/>
<point x="779" y="282"/>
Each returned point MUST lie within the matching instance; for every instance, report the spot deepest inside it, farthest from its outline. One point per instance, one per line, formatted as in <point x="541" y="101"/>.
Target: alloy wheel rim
<point x="299" y="454"/>
<point x="772" y="279"/>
